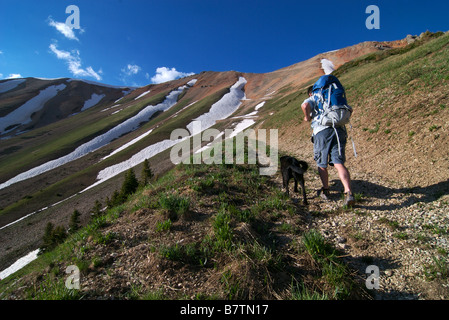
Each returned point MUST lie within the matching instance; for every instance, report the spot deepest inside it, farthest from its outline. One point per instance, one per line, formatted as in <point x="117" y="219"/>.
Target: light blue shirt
<point x="316" y="115"/>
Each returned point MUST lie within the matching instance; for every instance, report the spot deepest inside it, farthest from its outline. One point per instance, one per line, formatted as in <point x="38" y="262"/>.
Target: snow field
<point x="94" y="100"/>
<point x="126" y="126"/>
<point x="10" y="84"/>
<point x="220" y="110"/>
<point x="22" y="115"/>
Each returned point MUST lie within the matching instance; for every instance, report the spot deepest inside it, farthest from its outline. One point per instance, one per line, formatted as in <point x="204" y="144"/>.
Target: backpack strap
<point x="352" y="140"/>
<point x="338" y="138"/>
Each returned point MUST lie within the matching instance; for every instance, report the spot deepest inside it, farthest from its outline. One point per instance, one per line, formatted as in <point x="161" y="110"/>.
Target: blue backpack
<point x="330" y="97"/>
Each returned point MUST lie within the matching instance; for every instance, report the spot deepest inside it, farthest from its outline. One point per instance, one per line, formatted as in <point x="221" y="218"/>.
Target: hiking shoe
<point x="349" y="200"/>
<point x="324" y="194"/>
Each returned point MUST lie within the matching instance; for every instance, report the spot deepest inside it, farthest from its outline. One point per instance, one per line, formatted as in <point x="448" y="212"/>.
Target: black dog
<point x="293" y="168"/>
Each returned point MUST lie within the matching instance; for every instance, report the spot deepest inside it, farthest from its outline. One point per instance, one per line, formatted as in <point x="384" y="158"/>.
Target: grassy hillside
<point x="400" y="122"/>
<point x="400" y="128"/>
<point x="68" y="180"/>
<point x="402" y="115"/>
<point x="226" y="232"/>
<point x="199" y="232"/>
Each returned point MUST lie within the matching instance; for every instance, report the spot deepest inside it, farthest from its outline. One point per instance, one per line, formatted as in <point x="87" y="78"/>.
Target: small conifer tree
<point x="48" y="237"/>
<point x="96" y="210"/>
<point x="147" y="174"/>
<point x="74" y="221"/>
<point x="52" y="237"/>
<point x="129" y="186"/>
<point x="115" y="199"/>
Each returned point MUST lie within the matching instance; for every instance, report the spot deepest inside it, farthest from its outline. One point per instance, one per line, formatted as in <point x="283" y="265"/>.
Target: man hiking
<point x="329" y="144"/>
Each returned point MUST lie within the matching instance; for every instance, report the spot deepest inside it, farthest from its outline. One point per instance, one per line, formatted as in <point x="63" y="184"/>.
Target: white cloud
<point x="63" y="28"/>
<point x="1" y="52"/>
<point x="74" y="62"/>
<point x="14" y="76"/>
<point x="131" y="69"/>
<point x="11" y="76"/>
<point x="164" y="74"/>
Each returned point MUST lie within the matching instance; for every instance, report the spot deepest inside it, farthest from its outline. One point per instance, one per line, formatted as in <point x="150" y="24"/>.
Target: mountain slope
<point x="27" y="104"/>
<point x="43" y="149"/>
<point x="400" y="118"/>
<point x="400" y="101"/>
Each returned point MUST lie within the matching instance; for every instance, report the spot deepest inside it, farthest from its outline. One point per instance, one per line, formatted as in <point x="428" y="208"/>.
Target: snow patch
<point x="19" y="264"/>
<point x="247" y="122"/>
<point x="10" y="84"/>
<point x="94" y="100"/>
<point x="192" y="82"/>
<point x="126" y="145"/>
<point x="210" y="144"/>
<point x="222" y="109"/>
<point x="139" y="157"/>
<point x="112" y="107"/>
<point x="22" y="115"/>
<point x="126" y="126"/>
<point x="176" y="114"/>
<point x="260" y="105"/>
<point x="331" y="51"/>
<point x="242" y="125"/>
<point x="143" y="94"/>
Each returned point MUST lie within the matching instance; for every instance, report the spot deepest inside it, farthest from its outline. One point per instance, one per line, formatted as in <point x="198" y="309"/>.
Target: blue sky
<point x="138" y="42"/>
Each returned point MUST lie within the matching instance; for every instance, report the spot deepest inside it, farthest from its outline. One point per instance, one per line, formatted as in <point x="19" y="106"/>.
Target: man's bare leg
<point x="345" y="177"/>
<point x="324" y="175"/>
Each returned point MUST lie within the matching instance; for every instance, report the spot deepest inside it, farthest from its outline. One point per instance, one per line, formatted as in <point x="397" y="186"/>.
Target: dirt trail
<point x="400" y="228"/>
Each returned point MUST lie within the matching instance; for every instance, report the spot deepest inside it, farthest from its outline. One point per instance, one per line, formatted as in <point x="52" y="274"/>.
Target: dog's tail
<point x="304" y="165"/>
<point x="301" y="169"/>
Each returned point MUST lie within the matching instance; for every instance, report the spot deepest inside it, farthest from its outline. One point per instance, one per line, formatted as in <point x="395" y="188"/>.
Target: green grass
<point x="164" y="225"/>
<point x="53" y="289"/>
<point x="438" y="269"/>
<point x="333" y="270"/>
<point x="222" y="230"/>
<point x="287" y="109"/>
<point x="394" y="225"/>
<point x="221" y="249"/>
<point x="396" y="68"/>
<point x="301" y="292"/>
<point x="376" y="57"/>
<point x="175" y="204"/>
